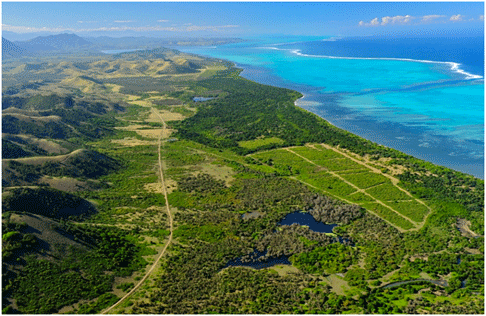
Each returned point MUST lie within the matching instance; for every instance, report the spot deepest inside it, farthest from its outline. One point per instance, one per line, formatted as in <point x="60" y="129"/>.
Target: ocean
<point x="423" y="96"/>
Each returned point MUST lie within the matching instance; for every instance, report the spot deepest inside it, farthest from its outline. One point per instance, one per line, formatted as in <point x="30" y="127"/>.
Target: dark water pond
<point x="292" y="218"/>
<point x="257" y="264"/>
<point x="307" y="219"/>
<point x="201" y="99"/>
<point x="442" y="283"/>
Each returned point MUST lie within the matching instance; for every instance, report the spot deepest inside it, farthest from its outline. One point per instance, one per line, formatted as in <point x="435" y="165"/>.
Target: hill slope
<point x="9" y="49"/>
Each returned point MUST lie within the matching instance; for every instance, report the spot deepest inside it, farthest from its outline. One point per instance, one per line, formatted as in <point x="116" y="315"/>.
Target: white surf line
<point x="453" y="65"/>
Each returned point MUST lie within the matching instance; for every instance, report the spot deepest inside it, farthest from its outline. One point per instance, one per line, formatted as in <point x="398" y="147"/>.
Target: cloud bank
<point x="407" y="19"/>
<point x="456" y="18"/>
<point x="398" y="19"/>
<point x="428" y="18"/>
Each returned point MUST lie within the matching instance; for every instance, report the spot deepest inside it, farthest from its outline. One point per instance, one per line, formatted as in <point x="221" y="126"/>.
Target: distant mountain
<point x="107" y="43"/>
<point x="9" y="49"/>
<point x="14" y="37"/>
<point x="61" y="42"/>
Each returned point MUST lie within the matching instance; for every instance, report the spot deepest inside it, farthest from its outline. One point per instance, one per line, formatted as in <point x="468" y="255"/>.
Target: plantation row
<point x="387" y="199"/>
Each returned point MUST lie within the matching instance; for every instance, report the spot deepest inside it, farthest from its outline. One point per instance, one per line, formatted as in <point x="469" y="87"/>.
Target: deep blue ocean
<point x="423" y="96"/>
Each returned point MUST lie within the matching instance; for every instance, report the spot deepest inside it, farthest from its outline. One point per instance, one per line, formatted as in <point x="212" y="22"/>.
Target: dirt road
<point x="154" y="265"/>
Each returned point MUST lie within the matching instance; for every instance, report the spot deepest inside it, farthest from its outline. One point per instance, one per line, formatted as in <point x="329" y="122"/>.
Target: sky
<point x="236" y="19"/>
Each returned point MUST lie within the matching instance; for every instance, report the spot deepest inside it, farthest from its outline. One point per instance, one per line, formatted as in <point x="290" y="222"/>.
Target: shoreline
<point x="406" y="139"/>
<point x="409" y="150"/>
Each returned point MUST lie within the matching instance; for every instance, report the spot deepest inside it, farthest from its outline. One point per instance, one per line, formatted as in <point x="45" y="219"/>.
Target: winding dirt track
<point x="154" y="265"/>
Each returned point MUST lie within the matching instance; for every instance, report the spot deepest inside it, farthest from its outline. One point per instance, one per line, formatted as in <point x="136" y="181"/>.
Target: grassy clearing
<point x="412" y="209"/>
<point x="365" y="179"/>
<point x="316" y="155"/>
<point x="388" y="192"/>
<point x="284" y="160"/>
<point x="328" y="182"/>
<point x="388" y="215"/>
<point x="359" y="197"/>
<point x="339" y="164"/>
<point x="257" y="143"/>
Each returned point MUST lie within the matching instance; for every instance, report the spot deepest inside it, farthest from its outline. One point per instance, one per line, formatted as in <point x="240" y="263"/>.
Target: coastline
<point x="408" y="140"/>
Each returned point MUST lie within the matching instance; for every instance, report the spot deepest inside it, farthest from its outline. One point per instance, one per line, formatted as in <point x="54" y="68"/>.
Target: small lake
<point x="442" y="283"/>
<point x="307" y="220"/>
<point x="201" y="99"/>
<point x="256" y="264"/>
<point x="292" y="218"/>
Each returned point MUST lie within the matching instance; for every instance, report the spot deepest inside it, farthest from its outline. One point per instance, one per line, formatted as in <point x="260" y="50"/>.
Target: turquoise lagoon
<point x="431" y="109"/>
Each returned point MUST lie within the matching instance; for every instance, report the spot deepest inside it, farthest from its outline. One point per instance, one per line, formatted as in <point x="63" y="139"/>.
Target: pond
<point x="255" y="263"/>
<point x="201" y="99"/>
<point x="307" y="219"/>
<point x="297" y="217"/>
<point x="442" y="283"/>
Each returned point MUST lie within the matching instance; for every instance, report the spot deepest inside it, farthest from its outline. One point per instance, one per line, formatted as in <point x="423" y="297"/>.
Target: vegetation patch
<point x="412" y="209"/>
<point x="365" y="180"/>
<point x="261" y="143"/>
<point x="389" y="215"/>
<point x="335" y="258"/>
<point x="388" y="192"/>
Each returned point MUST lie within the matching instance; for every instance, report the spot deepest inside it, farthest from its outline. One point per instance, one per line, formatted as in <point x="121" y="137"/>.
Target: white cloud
<point x="127" y="21"/>
<point x="481" y="17"/>
<point x="373" y="22"/>
<point x="456" y="18"/>
<point x="192" y="28"/>
<point x="162" y="21"/>
<point x="399" y="19"/>
<point x="427" y="18"/>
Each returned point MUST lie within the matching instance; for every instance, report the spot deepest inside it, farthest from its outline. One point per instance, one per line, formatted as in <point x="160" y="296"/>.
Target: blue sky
<point x="243" y="19"/>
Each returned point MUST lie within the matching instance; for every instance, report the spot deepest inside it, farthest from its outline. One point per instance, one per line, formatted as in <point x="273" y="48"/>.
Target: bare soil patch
<point x="65" y="184"/>
<point x="43" y="159"/>
<point x="165" y="115"/>
<point x="284" y="269"/>
<point x="154" y="187"/>
<point x="154" y="133"/>
<point x="132" y="142"/>
<point x="464" y="227"/>
<point x="339" y="286"/>
<point x="219" y="172"/>
<point x="47" y="145"/>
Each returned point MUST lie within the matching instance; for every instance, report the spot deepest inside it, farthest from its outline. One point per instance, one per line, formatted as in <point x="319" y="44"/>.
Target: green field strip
<point x="328" y="153"/>
<point x="388" y="215"/>
<point x="316" y="155"/>
<point x="329" y="183"/>
<point x="388" y="192"/>
<point x="256" y="143"/>
<point x="353" y="171"/>
<point x="338" y="164"/>
<point x="365" y="179"/>
<point x="411" y="209"/>
<point x="283" y="159"/>
<point x="359" y="197"/>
